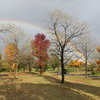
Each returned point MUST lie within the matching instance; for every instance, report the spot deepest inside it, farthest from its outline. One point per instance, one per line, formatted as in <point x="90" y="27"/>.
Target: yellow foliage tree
<point x="13" y="67"/>
<point x="11" y="52"/>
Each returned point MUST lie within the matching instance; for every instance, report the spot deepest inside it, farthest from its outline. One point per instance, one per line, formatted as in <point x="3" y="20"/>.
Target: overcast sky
<point x="35" y="11"/>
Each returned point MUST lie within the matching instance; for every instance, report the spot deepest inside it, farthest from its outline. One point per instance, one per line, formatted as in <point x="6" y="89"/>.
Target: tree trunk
<point x="58" y="71"/>
<point x="62" y="74"/>
<point x="86" y="70"/>
<point x="24" y="69"/>
<point x="18" y="68"/>
<point x="15" y="75"/>
<point x="62" y="67"/>
<point x="40" y="69"/>
<point x="30" y="69"/>
<point x="92" y="69"/>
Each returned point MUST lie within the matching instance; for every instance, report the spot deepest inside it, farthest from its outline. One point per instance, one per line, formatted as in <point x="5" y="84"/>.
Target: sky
<point x="31" y="14"/>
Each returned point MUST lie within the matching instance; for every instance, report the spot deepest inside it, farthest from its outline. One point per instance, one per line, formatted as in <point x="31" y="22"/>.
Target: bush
<point x="95" y="72"/>
<point x="3" y="69"/>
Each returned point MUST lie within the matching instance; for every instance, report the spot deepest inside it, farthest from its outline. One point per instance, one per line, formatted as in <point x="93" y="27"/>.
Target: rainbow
<point x="38" y="29"/>
<point x="77" y="51"/>
<point x="24" y="24"/>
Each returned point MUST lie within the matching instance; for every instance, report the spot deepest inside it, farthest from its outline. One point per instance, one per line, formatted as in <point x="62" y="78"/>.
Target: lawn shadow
<point x="96" y="78"/>
<point x="9" y="80"/>
<point x="29" y="91"/>
<point x="33" y="73"/>
<point x="86" y="88"/>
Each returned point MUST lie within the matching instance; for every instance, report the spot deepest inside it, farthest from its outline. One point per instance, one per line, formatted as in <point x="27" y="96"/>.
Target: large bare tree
<point x="64" y="28"/>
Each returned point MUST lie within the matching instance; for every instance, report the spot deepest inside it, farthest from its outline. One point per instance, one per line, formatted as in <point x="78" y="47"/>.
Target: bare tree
<point x="14" y="34"/>
<point x="86" y="48"/>
<point x="26" y="60"/>
<point x="64" y="28"/>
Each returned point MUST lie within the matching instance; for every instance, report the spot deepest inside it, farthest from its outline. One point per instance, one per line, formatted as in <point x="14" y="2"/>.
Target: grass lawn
<point x="45" y="87"/>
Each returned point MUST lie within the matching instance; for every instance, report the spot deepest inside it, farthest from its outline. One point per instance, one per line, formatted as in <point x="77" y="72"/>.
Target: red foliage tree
<point x="0" y="56"/>
<point x="40" y="46"/>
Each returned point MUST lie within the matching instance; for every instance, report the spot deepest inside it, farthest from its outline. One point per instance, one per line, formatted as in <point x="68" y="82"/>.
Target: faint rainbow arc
<point x="73" y="47"/>
<point x="40" y="28"/>
<point x="23" y="23"/>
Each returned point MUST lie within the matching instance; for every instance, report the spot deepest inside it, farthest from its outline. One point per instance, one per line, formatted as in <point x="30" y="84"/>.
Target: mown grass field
<point x="47" y="87"/>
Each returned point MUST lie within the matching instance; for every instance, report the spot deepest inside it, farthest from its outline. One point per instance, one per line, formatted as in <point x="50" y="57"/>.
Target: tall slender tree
<point x="40" y="47"/>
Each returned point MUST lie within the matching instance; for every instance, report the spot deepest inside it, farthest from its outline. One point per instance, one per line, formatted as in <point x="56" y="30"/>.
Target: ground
<point x="46" y="87"/>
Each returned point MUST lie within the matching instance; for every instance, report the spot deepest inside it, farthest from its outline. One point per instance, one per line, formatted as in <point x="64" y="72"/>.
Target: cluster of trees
<point x="65" y="30"/>
<point x="16" y="60"/>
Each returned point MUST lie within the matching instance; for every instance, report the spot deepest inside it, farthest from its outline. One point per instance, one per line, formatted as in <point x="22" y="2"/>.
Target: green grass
<point x="94" y="81"/>
<point x="44" y="87"/>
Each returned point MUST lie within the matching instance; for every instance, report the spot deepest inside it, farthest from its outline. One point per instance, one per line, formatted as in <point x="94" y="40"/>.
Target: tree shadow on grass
<point x="86" y="88"/>
<point x="29" y="91"/>
<point x="9" y="79"/>
<point x="33" y="73"/>
<point x="95" y="78"/>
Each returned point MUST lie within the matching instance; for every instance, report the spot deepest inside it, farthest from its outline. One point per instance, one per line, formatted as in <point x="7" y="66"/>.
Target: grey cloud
<point x="34" y="11"/>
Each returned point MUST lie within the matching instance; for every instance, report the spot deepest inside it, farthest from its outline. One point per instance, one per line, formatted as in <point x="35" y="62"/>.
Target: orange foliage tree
<point x="76" y="63"/>
<point x="11" y="52"/>
<point x="98" y="49"/>
<point x="40" y="46"/>
<point x="98" y="60"/>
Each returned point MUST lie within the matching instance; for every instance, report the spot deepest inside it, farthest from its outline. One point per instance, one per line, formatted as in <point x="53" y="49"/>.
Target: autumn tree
<point x="11" y="52"/>
<point x="76" y="63"/>
<point x="0" y="60"/>
<point x="97" y="60"/>
<point x="40" y="47"/>
<point x="64" y="28"/>
<point x="0" y="56"/>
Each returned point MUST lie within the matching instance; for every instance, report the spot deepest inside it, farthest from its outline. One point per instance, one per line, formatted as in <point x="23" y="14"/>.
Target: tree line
<point x="65" y="31"/>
